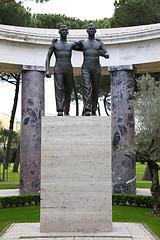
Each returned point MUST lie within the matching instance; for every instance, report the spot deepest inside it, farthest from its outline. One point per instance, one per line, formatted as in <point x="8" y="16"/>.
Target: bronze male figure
<point x="91" y="70"/>
<point x="63" y="70"/>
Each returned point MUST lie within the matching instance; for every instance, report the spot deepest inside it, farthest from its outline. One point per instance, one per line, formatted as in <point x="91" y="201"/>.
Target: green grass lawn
<point x="19" y="214"/>
<point x="12" y="176"/>
<point x="143" y="185"/>
<point x="136" y="214"/>
<point x="120" y="214"/>
<point x="9" y="186"/>
<point x="140" y="168"/>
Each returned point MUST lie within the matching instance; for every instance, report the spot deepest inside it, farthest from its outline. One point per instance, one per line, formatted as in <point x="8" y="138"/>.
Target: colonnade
<point x="130" y="47"/>
<point x="123" y="165"/>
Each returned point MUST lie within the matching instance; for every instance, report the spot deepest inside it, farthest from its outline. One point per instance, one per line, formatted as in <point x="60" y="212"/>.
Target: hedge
<point x="21" y="200"/>
<point x="133" y="200"/>
<point x="117" y="199"/>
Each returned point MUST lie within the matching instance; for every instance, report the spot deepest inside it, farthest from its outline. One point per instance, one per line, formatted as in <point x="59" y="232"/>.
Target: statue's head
<point x="63" y="30"/>
<point x="91" y="30"/>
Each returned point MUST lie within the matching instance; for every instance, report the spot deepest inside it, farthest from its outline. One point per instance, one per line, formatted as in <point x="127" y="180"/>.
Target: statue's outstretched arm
<point x="49" y="55"/>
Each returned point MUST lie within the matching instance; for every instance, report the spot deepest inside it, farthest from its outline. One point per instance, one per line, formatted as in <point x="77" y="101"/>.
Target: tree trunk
<point x="155" y="188"/>
<point x="3" y="176"/>
<point x="17" y="77"/>
<point x="17" y="160"/>
<point x="147" y="175"/>
<point x="105" y="107"/>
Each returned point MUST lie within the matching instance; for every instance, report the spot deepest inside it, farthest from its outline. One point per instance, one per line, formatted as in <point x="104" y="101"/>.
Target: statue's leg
<point x="68" y="86"/>
<point x="95" y="88"/>
<point x="59" y="89"/>
<point x="87" y="90"/>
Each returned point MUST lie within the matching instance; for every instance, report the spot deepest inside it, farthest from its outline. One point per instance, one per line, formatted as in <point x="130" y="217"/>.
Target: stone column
<point x="123" y="129"/>
<point x="32" y="110"/>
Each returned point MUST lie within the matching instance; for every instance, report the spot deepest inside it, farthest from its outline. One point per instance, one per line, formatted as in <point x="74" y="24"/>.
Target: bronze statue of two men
<point x="63" y="71"/>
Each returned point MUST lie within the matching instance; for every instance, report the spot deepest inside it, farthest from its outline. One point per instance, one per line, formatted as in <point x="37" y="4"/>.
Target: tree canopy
<point x="126" y="13"/>
<point x="147" y="140"/>
<point x="8" y="1"/>
<point x="15" y="14"/>
<point x="135" y="12"/>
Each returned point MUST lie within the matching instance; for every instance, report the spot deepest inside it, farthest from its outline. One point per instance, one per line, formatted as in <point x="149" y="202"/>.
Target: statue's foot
<point x="94" y="113"/>
<point x="60" y="113"/>
<point x="66" y="113"/>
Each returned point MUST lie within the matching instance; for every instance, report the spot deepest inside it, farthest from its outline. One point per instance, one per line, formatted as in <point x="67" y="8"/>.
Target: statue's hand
<point x="106" y="55"/>
<point x="54" y="40"/>
<point x="48" y="74"/>
<point x="103" y="54"/>
<point x="98" y="39"/>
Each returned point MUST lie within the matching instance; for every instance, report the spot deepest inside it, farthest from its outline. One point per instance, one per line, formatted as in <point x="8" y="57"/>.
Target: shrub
<point x="133" y="200"/>
<point x="117" y="199"/>
<point x="21" y="200"/>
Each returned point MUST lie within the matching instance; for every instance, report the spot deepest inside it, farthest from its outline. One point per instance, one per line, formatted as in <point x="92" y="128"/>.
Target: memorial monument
<point x="76" y="189"/>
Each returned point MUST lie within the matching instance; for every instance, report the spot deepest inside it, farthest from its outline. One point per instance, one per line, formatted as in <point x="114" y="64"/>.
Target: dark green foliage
<point x="15" y="14"/>
<point x="117" y="199"/>
<point x="5" y="134"/>
<point x="1" y="155"/>
<point x="135" y="12"/>
<point x="54" y="21"/>
<point x="17" y="201"/>
<point x="133" y="200"/>
<point x="2" y="2"/>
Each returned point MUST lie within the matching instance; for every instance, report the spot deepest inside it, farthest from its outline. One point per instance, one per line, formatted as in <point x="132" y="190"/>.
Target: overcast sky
<point x="83" y="9"/>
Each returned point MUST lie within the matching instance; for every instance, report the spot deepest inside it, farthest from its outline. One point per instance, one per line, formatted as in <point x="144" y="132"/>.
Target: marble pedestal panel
<point x="76" y="195"/>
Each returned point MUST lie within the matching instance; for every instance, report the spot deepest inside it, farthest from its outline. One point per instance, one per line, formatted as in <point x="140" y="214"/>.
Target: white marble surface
<point x="76" y="191"/>
<point x="138" y="45"/>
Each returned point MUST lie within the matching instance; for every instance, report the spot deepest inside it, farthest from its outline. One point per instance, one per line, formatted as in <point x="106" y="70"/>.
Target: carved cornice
<point x="108" y="36"/>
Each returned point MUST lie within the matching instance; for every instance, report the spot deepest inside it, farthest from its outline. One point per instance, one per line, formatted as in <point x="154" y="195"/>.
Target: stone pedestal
<point x="32" y="110"/>
<point x="76" y="175"/>
<point x="123" y="129"/>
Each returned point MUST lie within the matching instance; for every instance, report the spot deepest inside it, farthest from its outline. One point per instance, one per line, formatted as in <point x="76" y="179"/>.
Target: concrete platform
<point x="143" y="191"/>
<point x="126" y="231"/>
<point x="9" y="192"/>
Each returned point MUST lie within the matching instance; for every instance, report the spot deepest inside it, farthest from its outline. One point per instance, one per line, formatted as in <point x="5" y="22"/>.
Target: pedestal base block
<point x="76" y="191"/>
